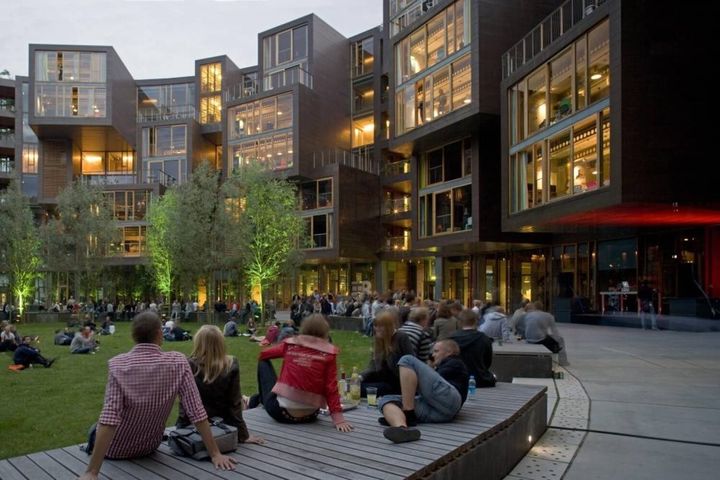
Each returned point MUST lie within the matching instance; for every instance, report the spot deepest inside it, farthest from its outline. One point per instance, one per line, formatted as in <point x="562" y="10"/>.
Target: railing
<point x="409" y="16"/>
<point x="396" y="205"/>
<point x="153" y="114"/>
<point x="396" y="168"/>
<point x="360" y="158"/>
<point x="7" y="166"/>
<point x="548" y="31"/>
<point x="289" y="76"/>
<point x="7" y="138"/>
<point x="396" y="244"/>
<point x="108" y="179"/>
<point x="161" y="177"/>
<point x="7" y="105"/>
<point x="240" y="90"/>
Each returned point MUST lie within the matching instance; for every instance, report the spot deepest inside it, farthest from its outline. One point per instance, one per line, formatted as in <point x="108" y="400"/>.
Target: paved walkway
<point x="633" y="405"/>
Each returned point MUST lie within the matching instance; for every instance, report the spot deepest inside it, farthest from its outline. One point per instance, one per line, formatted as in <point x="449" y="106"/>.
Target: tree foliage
<point x="82" y="233"/>
<point x="269" y="229"/>
<point x="160" y="241"/>
<point x="19" y="243"/>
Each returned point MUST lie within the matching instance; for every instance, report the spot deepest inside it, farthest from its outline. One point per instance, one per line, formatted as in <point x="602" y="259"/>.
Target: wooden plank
<point x="173" y="462"/>
<point x="160" y="469"/>
<point x="55" y="469"/>
<point x="8" y="472"/>
<point x="109" y="467"/>
<point x="208" y="467"/>
<point x="29" y="468"/>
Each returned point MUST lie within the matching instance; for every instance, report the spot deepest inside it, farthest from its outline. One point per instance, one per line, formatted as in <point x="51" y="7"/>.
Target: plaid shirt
<point x="141" y="389"/>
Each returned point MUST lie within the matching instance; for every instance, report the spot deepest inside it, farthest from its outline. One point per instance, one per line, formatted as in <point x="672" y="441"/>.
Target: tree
<point x="269" y="230"/>
<point x="160" y="240"/>
<point x="19" y="244"/>
<point x="77" y="239"/>
<point x="5" y="74"/>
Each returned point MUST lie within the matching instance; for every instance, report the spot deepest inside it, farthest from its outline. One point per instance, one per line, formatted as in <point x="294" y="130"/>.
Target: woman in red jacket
<point x="308" y="378"/>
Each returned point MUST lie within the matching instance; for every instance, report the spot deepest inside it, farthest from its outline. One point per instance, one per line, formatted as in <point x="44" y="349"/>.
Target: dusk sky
<point x="163" y="38"/>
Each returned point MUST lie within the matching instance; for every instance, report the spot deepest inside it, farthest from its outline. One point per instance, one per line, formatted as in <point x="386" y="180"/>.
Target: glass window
<point x="325" y="196"/>
<point x="580" y="74"/>
<point x="461" y="82"/>
<point x="210" y="77"/>
<point x="210" y="109"/>
<point x="165" y="141"/>
<point x="93" y="163"/>
<point x="363" y="131"/>
<point x="452" y="161"/>
<point x="284" y="111"/>
<point x="462" y="34"/>
<point x="605" y="123"/>
<point x="599" y="70"/>
<point x="30" y="158"/>
<point x="274" y="152"/>
<point x="441" y="87"/>
<point x="300" y="42"/>
<point x="585" y="156"/>
<point x="418" y="57"/>
<point x="308" y="196"/>
<point x="462" y="208"/>
<point x="537" y="107"/>
<point x="363" y="95"/>
<point x="120" y="162"/>
<point x="284" y="47"/>
<point x="443" y="206"/>
<point x="560" y="175"/>
<point x="435" y="166"/>
<point x="436" y="50"/>
<point x="318" y="230"/>
<point x="539" y="160"/>
<point x="71" y="67"/>
<point x="561" y="86"/>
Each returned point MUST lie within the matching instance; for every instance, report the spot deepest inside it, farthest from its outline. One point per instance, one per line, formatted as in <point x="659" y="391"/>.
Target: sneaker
<point x="50" y="363"/>
<point x="401" y="434"/>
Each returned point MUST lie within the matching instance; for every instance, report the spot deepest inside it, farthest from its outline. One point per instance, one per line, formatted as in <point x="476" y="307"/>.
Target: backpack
<point x="187" y="441"/>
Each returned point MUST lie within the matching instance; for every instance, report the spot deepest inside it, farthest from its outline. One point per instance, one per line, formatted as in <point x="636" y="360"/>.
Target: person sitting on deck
<point x="141" y="390"/>
<point x="429" y="394"/>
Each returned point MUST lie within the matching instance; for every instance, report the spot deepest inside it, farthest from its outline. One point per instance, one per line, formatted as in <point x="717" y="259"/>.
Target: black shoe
<point x="50" y="363"/>
<point x="401" y="434"/>
<point x="383" y="422"/>
<point x="254" y="401"/>
<point x="410" y="418"/>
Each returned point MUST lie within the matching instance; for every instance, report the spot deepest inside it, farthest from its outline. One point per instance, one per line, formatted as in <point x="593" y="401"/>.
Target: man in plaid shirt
<point x="141" y="388"/>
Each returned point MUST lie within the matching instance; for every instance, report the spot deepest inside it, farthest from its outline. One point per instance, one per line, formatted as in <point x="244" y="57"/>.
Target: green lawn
<point x="46" y="408"/>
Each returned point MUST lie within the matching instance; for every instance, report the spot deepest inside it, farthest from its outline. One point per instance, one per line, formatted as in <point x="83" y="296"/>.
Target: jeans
<point x="647" y="308"/>
<point x="436" y="400"/>
<point x="266" y="381"/>
<point x="83" y="350"/>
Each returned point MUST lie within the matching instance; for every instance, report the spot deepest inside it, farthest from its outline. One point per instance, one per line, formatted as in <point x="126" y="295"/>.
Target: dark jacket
<point x="453" y="370"/>
<point x="476" y="352"/>
<point x="385" y="370"/>
<point x="221" y="398"/>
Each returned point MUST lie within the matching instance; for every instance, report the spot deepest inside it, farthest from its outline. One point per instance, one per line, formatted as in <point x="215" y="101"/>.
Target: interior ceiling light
<point x="596" y="76"/>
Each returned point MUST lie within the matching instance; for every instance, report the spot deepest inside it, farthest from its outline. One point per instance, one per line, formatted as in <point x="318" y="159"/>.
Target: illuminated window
<point x="210" y="78"/>
<point x="363" y="131"/>
<point x="30" y="158"/>
<point x="362" y="57"/>
<point x="210" y="109"/>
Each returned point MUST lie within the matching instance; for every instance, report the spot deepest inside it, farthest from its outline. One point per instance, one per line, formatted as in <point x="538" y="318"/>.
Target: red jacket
<point x="309" y="373"/>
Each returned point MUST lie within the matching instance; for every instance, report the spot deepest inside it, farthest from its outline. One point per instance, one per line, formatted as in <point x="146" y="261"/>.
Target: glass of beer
<point x="355" y="393"/>
<point x="372" y="396"/>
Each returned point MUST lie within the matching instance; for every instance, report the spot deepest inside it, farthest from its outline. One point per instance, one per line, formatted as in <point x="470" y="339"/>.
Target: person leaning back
<point x="141" y="389"/>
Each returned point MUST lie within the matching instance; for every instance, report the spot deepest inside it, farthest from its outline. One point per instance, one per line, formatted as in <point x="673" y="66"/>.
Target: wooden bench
<point x="352" y="324"/>
<point x="521" y="360"/>
<point x="494" y="430"/>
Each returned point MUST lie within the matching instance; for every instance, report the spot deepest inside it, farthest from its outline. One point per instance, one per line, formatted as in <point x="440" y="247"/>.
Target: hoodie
<point x="476" y="352"/>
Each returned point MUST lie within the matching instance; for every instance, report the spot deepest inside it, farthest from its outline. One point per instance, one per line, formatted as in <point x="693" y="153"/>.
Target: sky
<point x="163" y="38"/>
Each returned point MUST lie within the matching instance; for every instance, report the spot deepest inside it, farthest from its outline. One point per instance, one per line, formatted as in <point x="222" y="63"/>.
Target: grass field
<point x="45" y="408"/>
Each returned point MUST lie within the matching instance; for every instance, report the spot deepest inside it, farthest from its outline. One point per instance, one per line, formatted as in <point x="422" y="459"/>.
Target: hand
<point x="344" y="427"/>
<point x="223" y="462"/>
<point x="255" y="440"/>
<point x="88" y="476"/>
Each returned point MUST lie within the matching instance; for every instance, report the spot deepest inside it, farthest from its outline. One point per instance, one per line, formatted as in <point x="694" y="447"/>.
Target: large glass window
<point x="274" y="152"/>
<point x="165" y="141"/>
<point x="363" y="131"/>
<point x="57" y="100"/>
<point x="128" y="205"/>
<point x="580" y="74"/>
<point x="210" y="78"/>
<point x="210" y="109"/>
<point x="560" y="179"/>
<point x="261" y="116"/>
<point x="362" y="57"/>
<point x="285" y="47"/>
<point x="537" y="106"/>
<point x="585" y="156"/>
<point x="426" y="99"/>
<point x="441" y="36"/>
<point x="30" y="158"/>
<point x="318" y="231"/>
<point x="70" y="67"/>
<point x="108" y="163"/>
<point x="561" y="86"/>
<point x="363" y="95"/>
<point x="605" y="123"/>
<point x="165" y="102"/>
<point x="316" y="194"/>
<point x="446" y="211"/>
<point x="447" y="163"/>
<point x="599" y="66"/>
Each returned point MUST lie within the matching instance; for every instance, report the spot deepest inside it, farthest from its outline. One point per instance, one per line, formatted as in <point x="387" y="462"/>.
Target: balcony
<point x="408" y="17"/>
<point x="108" y="179"/>
<point x="393" y="206"/>
<point x="240" y="90"/>
<point x="287" y="77"/>
<point x="161" y="177"/>
<point x="7" y="167"/>
<point x="154" y="114"/>
<point x="547" y="32"/>
<point x="396" y="244"/>
<point x="360" y="158"/>
<point x="396" y="168"/>
<point x="7" y="107"/>
<point x="7" y="138"/>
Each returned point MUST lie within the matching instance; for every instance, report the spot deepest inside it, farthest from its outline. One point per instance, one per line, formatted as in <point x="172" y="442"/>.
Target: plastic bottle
<point x="355" y="386"/>
<point x="342" y="384"/>
<point x="471" y="385"/>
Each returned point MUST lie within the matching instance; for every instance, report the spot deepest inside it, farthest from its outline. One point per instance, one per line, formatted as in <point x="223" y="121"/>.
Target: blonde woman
<point x="218" y="379"/>
<point x="390" y="345"/>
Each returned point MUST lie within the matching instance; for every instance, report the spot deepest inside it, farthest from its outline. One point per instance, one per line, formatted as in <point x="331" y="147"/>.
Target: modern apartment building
<point x="462" y="149"/>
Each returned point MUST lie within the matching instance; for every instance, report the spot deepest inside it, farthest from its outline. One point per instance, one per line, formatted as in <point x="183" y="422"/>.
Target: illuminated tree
<point x="269" y="230"/>
<point x="160" y="241"/>
<point x="19" y="244"/>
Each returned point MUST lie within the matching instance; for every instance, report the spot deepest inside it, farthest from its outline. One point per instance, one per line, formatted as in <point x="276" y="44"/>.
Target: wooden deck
<point x="487" y="439"/>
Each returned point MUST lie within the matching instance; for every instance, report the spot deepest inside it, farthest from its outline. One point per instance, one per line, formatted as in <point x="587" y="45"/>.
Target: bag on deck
<point x="187" y="442"/>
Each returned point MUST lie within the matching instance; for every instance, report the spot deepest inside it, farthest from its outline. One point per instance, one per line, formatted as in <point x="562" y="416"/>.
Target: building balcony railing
<point x="289" y="76"/>
<point x="240" y="90"/>
<point x="153" y="114"/>
<point x="392" y="206"/>
<point x="161" y="177"/>
<point x="408" y="17"/>
<point x="7" y="106"/>
<point x="396" y="168"/>
<point x="109" y="179"/>
<point x="548" y="31"/>
<point x="396" y="244"/>
<point x="360" y="158"/>
<point x="7" y="139"/>
<point x="7" y="166"/>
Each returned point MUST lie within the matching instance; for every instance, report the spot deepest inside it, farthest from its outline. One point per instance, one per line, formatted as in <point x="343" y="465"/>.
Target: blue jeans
<point x="436" y="400"/>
